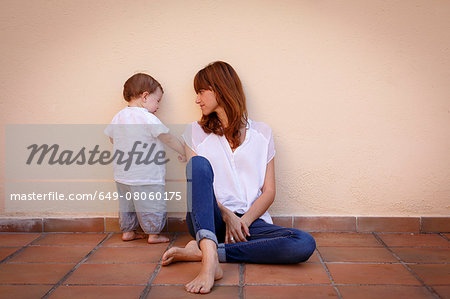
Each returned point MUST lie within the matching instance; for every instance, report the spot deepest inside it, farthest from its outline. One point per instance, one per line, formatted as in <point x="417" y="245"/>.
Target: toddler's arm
<point x="175" y="144"/>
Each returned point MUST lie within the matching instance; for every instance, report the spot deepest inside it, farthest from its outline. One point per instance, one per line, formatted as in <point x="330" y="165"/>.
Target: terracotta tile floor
<point x="345" y="265"/>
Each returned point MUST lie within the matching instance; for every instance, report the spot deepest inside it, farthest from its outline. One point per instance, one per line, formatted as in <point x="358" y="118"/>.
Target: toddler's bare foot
<point x="156" y="238"/>
<point x="129" y="236"/>
<point x="209" y="272"/>
<point x="190" y="253"/>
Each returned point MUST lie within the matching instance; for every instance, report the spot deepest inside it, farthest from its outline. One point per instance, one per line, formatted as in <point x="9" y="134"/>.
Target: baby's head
<point x="143" y="91"/>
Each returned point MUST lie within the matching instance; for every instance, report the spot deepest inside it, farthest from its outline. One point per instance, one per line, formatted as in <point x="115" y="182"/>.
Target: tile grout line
<point x="329" y="274"/>
<point x="382" y="263"/>
<point x="219" y="285"/>
<point x="443" y="236"/>
<point x="337" y="284"/>
<point x="241" y="280"/>
<point x="189" y="294"/>
<point x="148" y="287"/>
<point x="430" y="289"/>
<point x="182" y="232"/>
<point x="60" y="282"/>
<point x="25" y="284"/>
<point x="61" y="245"/>
<point x="3" y="261"/>
<point x="59" y="232"/>
<point x="136" y="263"/>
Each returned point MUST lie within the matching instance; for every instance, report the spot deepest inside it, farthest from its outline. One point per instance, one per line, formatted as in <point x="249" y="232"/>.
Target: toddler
<point x="141" y="186"/>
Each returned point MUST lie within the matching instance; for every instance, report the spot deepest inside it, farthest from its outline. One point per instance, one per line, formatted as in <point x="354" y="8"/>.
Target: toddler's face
<point x="151" y="102"/>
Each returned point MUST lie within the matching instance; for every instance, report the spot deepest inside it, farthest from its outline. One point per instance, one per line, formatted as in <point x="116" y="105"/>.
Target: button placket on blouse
<point x="231" y="159"/>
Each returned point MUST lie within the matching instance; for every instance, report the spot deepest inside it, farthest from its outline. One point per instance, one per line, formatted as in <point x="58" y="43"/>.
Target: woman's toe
<point x="197" y="288"/>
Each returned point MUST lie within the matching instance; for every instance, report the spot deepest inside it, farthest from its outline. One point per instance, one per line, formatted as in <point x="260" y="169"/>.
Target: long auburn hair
<point x="222" y="79"/>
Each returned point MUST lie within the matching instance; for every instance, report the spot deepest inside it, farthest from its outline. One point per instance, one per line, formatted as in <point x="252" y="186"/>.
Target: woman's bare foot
<point x="157" y="238"/>
<point x="210" y="270"/>
<point x="129" y="236"/>
<point x="190" y="253"/>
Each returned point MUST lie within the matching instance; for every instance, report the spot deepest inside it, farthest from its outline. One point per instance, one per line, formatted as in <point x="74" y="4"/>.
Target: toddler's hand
<point x="182" y="158"/>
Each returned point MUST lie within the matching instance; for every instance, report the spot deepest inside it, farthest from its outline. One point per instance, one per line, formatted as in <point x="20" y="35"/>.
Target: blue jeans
<point x="267" y="244"/>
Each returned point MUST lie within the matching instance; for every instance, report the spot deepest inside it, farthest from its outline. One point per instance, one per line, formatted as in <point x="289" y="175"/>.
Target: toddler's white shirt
<point x="133" y="124"/>
<point x="239" y="175"/>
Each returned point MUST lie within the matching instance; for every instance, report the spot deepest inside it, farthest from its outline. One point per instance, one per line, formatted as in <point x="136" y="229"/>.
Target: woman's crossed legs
<point x="267" y="243"/>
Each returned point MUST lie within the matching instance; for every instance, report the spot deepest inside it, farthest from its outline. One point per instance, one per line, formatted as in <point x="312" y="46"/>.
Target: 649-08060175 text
<point x="59" y="196"/>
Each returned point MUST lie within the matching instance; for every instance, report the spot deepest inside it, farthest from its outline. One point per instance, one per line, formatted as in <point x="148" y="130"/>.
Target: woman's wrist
<point x="226" y="213"/>
<point x="247" y="219"/>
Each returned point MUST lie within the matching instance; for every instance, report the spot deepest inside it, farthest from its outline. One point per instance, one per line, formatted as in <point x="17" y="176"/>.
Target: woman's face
<point x="207" y="100"/>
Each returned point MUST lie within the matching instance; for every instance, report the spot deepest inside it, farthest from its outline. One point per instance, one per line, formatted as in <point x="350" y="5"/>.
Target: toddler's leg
<point x="152" y="214"/>
<point x="128" y="219"/>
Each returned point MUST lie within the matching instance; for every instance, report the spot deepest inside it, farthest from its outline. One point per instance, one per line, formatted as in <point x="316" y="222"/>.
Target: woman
<point x="231" y="184"/>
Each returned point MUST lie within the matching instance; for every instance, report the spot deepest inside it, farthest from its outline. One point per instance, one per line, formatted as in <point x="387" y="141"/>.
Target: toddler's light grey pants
<point x="142" y="205"/>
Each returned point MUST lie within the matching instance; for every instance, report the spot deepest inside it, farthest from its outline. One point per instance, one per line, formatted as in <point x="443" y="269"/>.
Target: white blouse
<point x="239" y="175"/>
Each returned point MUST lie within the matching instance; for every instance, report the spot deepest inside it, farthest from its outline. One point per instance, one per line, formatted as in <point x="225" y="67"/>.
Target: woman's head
<point x="139" y="83"/>
<point x="223" y="81"/>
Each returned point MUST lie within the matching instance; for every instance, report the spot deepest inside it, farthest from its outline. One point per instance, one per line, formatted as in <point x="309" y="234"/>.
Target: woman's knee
<point x="303" y="246"/>
<point x="198" y="166"/>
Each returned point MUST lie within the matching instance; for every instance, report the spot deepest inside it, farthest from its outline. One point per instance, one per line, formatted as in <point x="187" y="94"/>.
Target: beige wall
<point x="356" y="92"/>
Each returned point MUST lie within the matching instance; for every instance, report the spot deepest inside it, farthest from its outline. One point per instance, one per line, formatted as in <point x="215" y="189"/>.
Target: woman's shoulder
<point x="194" y="125"/>
<point x="194" y="134"/>
<point x="261" y="128"/>
<point x="194" y="128"/>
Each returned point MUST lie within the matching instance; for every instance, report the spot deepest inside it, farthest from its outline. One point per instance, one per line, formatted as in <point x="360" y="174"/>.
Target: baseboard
<point x="177" y="223"/>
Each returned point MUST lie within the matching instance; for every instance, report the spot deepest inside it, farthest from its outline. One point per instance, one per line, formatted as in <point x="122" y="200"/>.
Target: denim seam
<point x="257" y="241"/>
<point x="195" y="220"/>
<point x="269" y="235"/>
<point x="265" y="234"/>
<point x="197" y="228"/>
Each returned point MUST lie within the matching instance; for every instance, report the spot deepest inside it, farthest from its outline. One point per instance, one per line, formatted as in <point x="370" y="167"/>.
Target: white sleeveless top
<point x="239" y="175"/>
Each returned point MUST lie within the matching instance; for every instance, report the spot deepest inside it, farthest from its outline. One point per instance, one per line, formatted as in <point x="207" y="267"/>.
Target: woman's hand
<point x="236" y="228"/>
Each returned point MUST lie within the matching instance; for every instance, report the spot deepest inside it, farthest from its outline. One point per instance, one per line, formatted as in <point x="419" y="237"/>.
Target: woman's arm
<point x="265" y="200"/>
